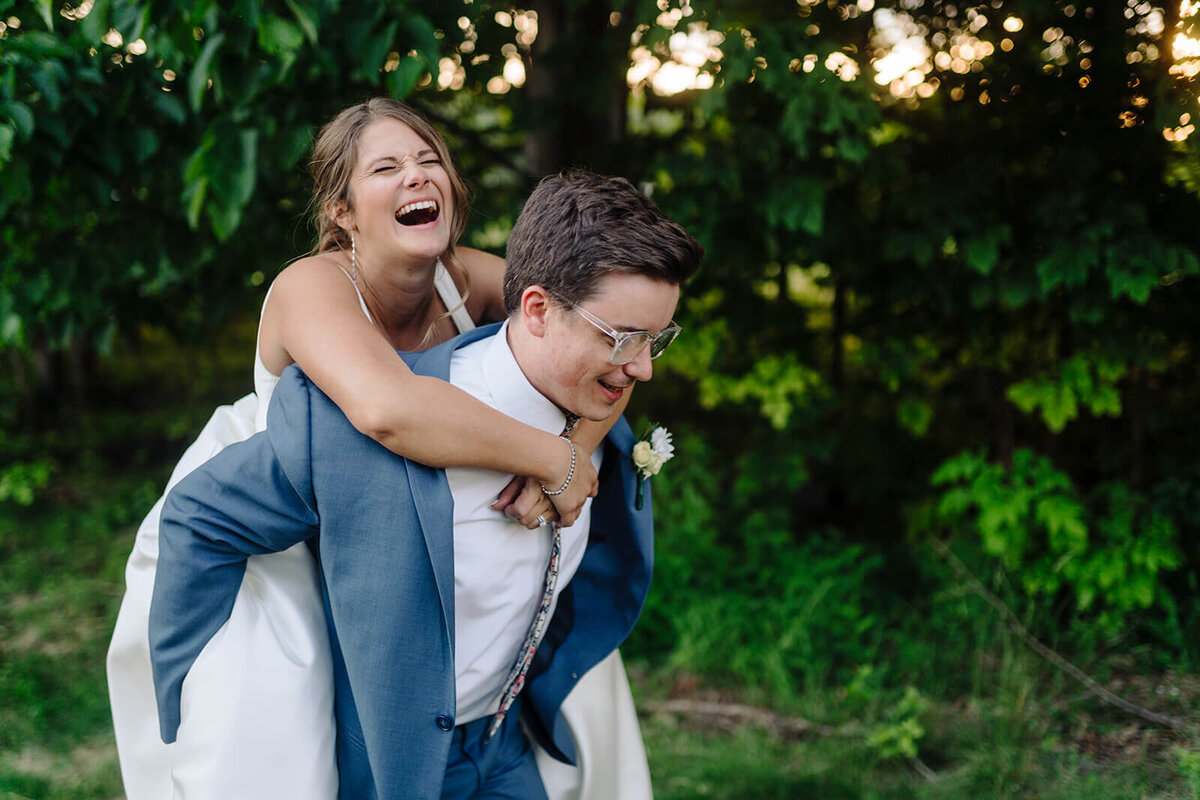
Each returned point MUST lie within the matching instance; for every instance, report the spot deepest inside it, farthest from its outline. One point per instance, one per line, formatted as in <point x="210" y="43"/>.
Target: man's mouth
<point x="612" y="388"/>
<point x="418" y="213"/>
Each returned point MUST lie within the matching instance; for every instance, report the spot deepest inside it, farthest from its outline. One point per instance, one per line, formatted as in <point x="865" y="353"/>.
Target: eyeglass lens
<point x="629" y="348"/>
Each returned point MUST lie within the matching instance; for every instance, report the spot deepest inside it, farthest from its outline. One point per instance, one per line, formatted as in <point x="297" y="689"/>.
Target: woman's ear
<point x="340" y="214"/>
<point x="534" y="307"/>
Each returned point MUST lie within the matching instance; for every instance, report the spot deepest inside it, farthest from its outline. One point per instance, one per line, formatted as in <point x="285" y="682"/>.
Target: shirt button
<point x="444" y="722"/>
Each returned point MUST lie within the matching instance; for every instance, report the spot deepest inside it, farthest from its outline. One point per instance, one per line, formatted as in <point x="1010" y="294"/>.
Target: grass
<point x="61" y="584"/>
<point x="969" y="755"/>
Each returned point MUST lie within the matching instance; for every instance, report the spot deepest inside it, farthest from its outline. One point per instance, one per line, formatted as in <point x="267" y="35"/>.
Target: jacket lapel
<point x="430" y="490"/>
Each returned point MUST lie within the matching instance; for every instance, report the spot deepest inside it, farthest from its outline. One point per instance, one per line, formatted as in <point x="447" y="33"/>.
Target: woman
<point x="384" y="276"/>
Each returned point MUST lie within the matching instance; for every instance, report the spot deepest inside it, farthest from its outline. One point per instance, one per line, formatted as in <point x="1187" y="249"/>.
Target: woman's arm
<point x="487" y="292"/>
<point x="313" y="318"/>
<point x="522" y="499"/>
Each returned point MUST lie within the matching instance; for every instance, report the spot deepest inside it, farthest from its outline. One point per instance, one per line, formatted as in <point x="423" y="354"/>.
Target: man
<point x="433" y="601"/>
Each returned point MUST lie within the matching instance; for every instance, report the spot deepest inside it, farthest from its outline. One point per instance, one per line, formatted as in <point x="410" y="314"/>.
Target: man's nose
<point x="641" y="368"/>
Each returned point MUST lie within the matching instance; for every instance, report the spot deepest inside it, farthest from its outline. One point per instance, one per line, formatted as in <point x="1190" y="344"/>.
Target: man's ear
<point x="534" y="307"/>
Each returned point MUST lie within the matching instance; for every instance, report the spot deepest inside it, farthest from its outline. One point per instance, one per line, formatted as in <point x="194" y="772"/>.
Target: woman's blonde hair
<point x="335" y="155"/>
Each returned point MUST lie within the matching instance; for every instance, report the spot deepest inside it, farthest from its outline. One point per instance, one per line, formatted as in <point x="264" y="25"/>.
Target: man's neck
<point x="521" y="350"/>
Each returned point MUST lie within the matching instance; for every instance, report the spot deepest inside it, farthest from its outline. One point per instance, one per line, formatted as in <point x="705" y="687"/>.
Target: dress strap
<point x="444" y="283"/>
<point x="361" y="302"/>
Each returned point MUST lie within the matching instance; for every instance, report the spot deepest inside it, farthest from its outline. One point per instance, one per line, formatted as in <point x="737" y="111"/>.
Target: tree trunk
<point x="575" y="88"/>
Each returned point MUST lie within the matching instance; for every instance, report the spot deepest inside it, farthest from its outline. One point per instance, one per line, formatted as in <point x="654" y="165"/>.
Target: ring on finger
<point x="541" y="521"/>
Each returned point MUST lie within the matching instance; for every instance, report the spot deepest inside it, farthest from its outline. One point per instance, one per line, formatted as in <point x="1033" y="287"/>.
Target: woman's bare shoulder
<point x="486" y="302"/>
<point x="308" y="293"/>
<point x="321" y="271"/>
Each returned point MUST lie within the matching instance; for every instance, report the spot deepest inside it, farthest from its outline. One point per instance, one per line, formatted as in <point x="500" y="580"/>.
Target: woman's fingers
<point x="531" y="507"/>
<point x="508" y="494"/>
<point x="583" y="485"/>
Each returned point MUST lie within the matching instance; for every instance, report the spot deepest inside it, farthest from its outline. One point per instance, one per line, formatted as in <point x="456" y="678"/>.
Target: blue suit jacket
<point x="386" y="552"/>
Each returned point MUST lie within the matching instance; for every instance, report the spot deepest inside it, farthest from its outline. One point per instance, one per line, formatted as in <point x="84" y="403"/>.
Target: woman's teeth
<point x="418" y="213"/>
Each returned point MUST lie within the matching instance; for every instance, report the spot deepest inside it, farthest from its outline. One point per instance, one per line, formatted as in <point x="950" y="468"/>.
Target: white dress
<point x="257" y="706"/>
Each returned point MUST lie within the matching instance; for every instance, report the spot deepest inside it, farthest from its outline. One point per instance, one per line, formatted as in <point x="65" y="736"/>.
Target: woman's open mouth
<point x="418" y="213"/>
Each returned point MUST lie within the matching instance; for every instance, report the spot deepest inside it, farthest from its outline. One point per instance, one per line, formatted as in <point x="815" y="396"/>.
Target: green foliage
<point x="19" y="482"/>
<point x="901" y="731"/>
<point x="1082" y="379"/>
<point x="779" y="383"/>
<point x="1189" y="767"/>
<point x="1108" y="550"/>
<point x="149" y="152"/>
<point x="779" y="613"/>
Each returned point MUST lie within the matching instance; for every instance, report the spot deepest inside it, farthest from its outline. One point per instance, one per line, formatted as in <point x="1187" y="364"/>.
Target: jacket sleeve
<point x="254" y="497"/>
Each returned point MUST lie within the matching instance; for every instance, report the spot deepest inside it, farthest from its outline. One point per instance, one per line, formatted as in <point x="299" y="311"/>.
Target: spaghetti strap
<point x="361" y="302"/>
<point x="444" y="283"/>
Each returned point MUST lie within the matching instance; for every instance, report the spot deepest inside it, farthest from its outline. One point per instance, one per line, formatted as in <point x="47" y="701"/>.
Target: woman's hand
<point x="583" y="485"/>
<point x="523" y="499"/>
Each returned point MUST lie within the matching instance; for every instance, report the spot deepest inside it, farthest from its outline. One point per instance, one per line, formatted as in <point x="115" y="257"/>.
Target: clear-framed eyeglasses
<point x="628" y="345"/>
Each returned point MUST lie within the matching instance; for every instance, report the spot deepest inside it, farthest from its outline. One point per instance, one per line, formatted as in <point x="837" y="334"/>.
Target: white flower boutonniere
<point x="654" y="450"/>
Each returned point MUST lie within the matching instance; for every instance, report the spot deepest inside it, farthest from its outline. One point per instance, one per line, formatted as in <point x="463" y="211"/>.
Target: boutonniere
<point x="654" y="450"/>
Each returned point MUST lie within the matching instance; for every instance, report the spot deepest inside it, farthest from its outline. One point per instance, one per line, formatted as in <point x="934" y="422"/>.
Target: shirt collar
<point x="511" y="390"/>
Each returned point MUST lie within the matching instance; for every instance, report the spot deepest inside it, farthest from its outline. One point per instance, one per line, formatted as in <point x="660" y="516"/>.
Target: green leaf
<point x="46" y="80"/>
<point x="1059" y="407"/>
<point x="198" y="80"/>
<point x="371" y="60"/>
<point x="963" y="467"/>
<point x="280" y="37"/>
<point x="95" y="24"/>
<point x="305" y="18"/>
<point x="1063" y="519"/>
<point x="296" y="143"/>
<point x="915" y="415"/>
<point x="21" y="117"/>
<point x="982" y="251"/>
<point x="248" y="10"/>
<point x="225" y="219"/>
<point x="7" y="134"/>
<point x="169" y="106"/>
<point x="424" y="37"/>
<point x="1025" y="395"/>
<point x="231" y="165"/>
<point x="194" y="196"/>
<point x="401" y="80"/>
<point x="1131" y="282"/>
<point x="1105" y="402"/>
<point x="130" y="20"/>
<point x="145" y="144"/>
<point x="45" y="9"/>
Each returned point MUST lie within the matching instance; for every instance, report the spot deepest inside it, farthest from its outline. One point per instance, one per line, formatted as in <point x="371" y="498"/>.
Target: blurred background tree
<point x="952" y="248"/>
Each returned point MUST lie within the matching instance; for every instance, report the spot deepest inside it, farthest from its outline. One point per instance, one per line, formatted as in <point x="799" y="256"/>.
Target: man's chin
<point x="600" y="412"/>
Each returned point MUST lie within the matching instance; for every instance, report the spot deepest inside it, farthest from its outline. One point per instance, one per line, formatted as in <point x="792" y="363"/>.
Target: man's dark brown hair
<point x="577" y="227"/>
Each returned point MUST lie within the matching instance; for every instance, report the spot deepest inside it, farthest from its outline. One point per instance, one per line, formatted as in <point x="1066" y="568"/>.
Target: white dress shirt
<point x="499" y="565"/>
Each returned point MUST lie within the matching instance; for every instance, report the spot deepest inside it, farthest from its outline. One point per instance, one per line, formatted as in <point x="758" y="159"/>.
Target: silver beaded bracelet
<point x="570" y="474"/>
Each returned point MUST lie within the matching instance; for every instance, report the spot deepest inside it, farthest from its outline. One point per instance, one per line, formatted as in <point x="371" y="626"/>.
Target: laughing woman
<point x="385" y="275"/>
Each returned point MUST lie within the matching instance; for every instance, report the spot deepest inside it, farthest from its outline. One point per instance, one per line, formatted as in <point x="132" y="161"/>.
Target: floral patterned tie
<point x="516" y="677"/>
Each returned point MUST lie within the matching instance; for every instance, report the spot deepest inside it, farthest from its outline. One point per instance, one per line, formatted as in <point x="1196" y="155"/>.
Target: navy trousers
<point x="502" y="768"/>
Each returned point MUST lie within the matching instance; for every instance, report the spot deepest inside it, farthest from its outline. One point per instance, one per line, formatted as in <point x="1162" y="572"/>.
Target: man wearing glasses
<point x="449" y="621"/>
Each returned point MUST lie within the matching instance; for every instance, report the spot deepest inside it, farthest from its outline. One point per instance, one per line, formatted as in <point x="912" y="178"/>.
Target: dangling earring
<point x="353" y="260"/>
